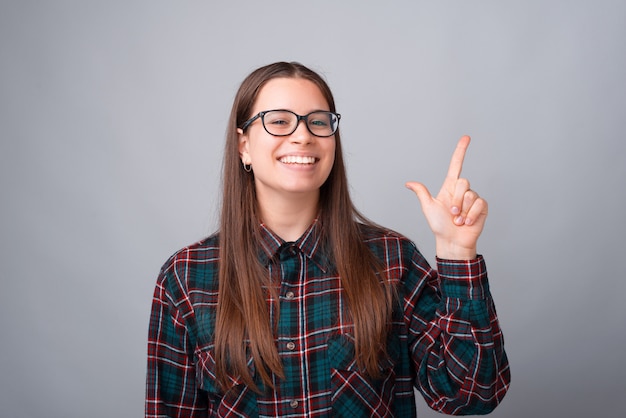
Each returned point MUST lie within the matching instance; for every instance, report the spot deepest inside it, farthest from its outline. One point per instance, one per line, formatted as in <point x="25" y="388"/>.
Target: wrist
<point x="452" y="251"/>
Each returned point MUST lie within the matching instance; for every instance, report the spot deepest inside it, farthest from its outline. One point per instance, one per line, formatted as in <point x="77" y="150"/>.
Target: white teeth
<point x="296" y="159"/>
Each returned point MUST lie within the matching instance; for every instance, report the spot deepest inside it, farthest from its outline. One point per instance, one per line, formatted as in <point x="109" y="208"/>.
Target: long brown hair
<point x="242" y="310"/>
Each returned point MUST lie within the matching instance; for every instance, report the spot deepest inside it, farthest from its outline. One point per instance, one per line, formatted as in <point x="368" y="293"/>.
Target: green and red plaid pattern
<point x="445" y="339"/>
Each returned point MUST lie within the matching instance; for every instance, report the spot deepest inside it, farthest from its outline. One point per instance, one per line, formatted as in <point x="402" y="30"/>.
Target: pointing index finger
<point x="456" y="163"/>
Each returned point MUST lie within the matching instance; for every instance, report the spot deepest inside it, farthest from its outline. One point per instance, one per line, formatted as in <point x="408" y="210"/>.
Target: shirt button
<point x="291" y="346"/>
<point x="294" y="403"/>
<point x="289" y="295"/>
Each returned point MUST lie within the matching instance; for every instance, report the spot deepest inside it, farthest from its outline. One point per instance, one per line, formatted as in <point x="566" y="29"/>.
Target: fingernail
<point x="458" y="220"/>
<point x="455" y="210"/>
<point x="468" y="221"/>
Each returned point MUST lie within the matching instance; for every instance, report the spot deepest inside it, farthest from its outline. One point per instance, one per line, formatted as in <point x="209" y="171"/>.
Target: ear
<point x="243" y="147"/>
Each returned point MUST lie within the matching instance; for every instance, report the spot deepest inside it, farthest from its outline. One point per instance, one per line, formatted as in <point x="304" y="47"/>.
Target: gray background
<point x="112" y="117"/>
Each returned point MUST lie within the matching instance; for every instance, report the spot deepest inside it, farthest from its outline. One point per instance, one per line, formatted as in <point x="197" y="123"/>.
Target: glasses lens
<point x="280" y="122"/>
<point x="323" y="123"/>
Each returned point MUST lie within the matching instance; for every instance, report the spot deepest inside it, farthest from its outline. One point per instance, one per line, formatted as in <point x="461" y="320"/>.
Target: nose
<point x="301" y="135"/>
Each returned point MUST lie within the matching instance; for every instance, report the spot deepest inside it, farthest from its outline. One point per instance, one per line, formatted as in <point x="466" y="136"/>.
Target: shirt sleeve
<point x="171" y="389"/>
<point x="455" y="337"/>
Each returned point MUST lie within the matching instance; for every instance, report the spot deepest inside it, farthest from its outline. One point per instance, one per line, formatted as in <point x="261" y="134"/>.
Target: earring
<point x="247" y="167"/>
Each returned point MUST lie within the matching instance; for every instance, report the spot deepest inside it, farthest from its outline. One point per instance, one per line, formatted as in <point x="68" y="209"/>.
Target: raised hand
<point x="457" y="215"/>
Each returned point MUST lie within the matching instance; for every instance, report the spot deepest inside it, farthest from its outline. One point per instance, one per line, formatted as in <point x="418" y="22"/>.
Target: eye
<point x="320" y="119"/>
<point x="278" y="118"/>
<point x="319" y="122"/>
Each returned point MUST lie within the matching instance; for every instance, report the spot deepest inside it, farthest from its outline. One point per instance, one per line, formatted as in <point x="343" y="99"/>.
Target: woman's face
<point x="287" y="166"/>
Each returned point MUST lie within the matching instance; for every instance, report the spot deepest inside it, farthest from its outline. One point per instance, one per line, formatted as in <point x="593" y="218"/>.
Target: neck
<point x="288" y="215"/>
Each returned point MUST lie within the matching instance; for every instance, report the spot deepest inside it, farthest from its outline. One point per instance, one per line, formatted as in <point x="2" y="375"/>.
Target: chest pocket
<point x="354" y="394"/>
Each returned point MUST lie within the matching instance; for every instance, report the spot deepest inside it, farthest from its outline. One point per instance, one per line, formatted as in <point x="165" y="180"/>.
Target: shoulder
<point x="375" y="236"/>
<point x="397" y="253"/>
<point x="201" y="252"/>
<point x="386" y="244"/>
<point x="195" y="265"/>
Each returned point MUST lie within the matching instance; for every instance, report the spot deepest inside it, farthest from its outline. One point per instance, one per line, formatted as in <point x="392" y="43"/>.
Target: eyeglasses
<point x="285" y="122"/>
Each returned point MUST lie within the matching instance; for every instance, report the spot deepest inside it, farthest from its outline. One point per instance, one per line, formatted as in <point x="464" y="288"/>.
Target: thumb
<point x="421" y="191"/>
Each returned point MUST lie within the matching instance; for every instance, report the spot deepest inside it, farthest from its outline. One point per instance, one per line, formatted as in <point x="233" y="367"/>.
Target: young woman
<point x="299" y="306"/>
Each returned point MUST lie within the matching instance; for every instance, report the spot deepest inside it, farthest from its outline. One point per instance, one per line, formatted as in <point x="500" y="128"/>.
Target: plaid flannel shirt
<point x="445" y="339"/>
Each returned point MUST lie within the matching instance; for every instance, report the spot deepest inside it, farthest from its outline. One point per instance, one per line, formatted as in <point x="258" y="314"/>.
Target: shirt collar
<point x="309" y="244"/>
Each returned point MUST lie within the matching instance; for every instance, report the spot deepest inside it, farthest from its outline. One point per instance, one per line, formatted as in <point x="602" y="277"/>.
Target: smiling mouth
<point x="296" y="159"/>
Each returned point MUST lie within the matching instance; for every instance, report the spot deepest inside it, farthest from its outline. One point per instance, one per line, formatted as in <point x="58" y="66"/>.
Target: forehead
<point x="296" y="94"/>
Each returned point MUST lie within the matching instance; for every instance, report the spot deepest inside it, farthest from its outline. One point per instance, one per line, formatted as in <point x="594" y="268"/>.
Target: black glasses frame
<point x="305" y="118"/>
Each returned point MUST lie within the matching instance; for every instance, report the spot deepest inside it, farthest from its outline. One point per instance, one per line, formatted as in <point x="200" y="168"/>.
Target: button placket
<point x="291" y="265"/>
